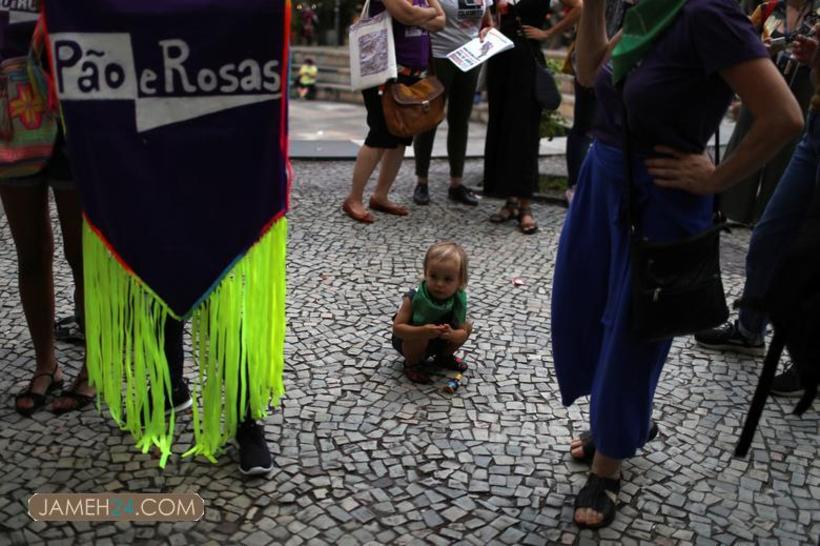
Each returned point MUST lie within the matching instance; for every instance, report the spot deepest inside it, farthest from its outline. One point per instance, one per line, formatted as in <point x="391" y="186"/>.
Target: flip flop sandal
<point x="588" y="445"/>
<point x="68" y="329"/>
<point x="510" y="211"/>
<point x="601" y="495"/>
<point x="450" y="362"/>
<point x="80" y="401"/>
<point x="37" y="400"/>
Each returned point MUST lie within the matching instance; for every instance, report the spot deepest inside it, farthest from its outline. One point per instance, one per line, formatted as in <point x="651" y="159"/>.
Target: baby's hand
<point x="434" y="331"/>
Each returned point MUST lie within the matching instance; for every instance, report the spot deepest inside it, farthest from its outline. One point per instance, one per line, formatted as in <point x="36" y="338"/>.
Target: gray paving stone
<point x="363" y="456"/>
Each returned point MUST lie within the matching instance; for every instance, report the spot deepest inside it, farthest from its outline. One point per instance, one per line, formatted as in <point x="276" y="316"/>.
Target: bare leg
<point x="28" y="216"/>
<point x="604" y="467"/>
<point x="391" y="163"/>
<point x="366" y="162"/>
<point x="414" y="351"/>
<point x="70" y="213"/>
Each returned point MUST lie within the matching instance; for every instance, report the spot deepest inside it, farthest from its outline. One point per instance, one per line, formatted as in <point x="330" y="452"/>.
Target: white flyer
<point x="475" y="52"/>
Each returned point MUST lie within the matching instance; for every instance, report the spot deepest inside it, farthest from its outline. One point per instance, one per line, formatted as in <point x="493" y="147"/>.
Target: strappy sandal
<point x="37" y="400"/>
<point x="601" y="495"/>
<point x="78" y="399"/>
<point x="450" y="362"/>
<point x="505" y="213"/>
<point x="529" y="229"/>
<point x="588" y="446"/>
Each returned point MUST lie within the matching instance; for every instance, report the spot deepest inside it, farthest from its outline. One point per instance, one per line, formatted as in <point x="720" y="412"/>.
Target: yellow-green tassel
<point x="238" y="336"/>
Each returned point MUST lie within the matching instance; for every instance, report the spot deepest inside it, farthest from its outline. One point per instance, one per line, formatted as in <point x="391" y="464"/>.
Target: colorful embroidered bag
<point x="28" y="123"/>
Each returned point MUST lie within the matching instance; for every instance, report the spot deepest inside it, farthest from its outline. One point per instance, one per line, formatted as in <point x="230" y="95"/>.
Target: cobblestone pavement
<point x="363" y="456"/>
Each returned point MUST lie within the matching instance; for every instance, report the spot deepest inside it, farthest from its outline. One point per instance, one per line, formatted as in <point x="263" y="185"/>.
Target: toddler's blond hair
<point x="448" y="250"/>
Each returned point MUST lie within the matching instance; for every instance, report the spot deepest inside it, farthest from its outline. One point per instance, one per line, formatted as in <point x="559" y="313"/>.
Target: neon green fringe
<point x="238" y="335"/>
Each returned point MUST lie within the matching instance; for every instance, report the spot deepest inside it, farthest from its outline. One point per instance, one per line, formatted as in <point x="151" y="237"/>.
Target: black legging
<point x="175" y="354"/>
<point x="459" y="89"/>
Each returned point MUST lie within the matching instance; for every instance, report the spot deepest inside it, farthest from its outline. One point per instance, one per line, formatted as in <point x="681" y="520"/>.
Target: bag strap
<point x="629" y="175"/>
<point x="366" y="10"/>
<point x="761" y="392"/>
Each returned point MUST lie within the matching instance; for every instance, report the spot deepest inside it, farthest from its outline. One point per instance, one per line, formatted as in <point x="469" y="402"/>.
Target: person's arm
<point x="437" y="23"/>
<point x="777" y="120"/>
<point x="487" y="24"/>
<point x="402" y="328"/>
<point x="592" y="46"/>
<point x="406" y="13"/>
<point x="567" y="21"/>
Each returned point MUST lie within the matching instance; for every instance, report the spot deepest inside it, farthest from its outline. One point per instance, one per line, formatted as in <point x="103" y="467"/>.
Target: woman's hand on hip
<point x="683" y="171"/>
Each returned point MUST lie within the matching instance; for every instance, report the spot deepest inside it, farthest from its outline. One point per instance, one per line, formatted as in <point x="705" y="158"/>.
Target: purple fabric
<point x="412" y="43"/>
<point x="185" y="194"/>
<point x="676" y="96"/>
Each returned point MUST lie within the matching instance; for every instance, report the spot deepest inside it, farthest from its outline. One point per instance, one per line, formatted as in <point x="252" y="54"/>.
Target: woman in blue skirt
<point x="682" y="74"/>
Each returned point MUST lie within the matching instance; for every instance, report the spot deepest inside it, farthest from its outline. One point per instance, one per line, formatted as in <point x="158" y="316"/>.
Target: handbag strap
<point x="527" y="40"/>
<point x="366" y="10"/>
<point x="629" y="175"/>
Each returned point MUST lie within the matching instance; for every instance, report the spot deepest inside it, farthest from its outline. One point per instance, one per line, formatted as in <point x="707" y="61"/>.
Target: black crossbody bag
<point x="676" y="286"/>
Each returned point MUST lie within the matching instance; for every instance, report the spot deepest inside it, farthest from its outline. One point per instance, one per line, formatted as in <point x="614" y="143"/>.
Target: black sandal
<point x="530" y="229"/>
<point x="601" y="495"/>
<point x="37" y="400"/>
<point x="589" y="446"/>
<point x="506" y="213"/>
<point x="79" y="399"/>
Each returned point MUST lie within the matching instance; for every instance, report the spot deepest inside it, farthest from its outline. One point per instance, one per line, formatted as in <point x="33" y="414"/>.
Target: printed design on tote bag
<point x="373" y="48"/>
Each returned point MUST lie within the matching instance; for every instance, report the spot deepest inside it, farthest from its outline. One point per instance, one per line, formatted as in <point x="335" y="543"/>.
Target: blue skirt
<point x="594" y="350"/>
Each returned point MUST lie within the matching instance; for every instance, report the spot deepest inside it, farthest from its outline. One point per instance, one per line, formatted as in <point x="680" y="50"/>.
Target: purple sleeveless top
<point x="412" y="43"/>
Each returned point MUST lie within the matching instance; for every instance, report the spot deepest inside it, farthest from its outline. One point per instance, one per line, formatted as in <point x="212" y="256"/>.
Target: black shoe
<point x="787" y="383"/>
<point x="254" y="455"/>
<point x="729" y="338"/>
<point x="462" y="195"/>
<point x="180" y="400"/>
<point x="421" y="195"/>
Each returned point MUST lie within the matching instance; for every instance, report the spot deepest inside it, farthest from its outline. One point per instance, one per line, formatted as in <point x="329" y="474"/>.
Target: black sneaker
<point x="254" y="455"/>
<point x="180" y="400"/>
<point x="787" y="383"/>
<point x="462" y="195"/>
<point x="729" y="338"/>
<point x="421" y="195"/>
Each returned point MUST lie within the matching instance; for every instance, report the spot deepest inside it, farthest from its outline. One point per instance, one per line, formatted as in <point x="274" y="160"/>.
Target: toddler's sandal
<point x="417" y="374"/>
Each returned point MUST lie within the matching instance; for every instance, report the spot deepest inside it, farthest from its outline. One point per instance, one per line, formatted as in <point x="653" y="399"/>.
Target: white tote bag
<point x="372" y="50"/>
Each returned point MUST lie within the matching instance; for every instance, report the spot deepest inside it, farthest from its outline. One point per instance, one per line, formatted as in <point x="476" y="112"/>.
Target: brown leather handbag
<point x="410" y="110"/>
